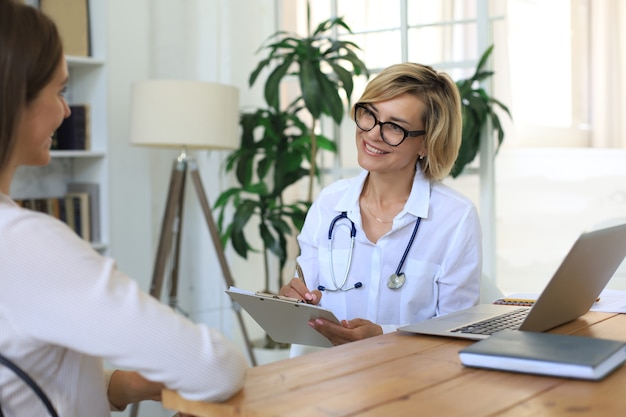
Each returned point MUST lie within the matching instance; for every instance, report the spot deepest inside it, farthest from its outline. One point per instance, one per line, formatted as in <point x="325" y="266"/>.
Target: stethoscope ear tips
<point x="358" y="285"/>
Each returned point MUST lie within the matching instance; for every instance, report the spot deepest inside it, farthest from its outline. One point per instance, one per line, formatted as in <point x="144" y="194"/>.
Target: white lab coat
<point x="443" y="266"/>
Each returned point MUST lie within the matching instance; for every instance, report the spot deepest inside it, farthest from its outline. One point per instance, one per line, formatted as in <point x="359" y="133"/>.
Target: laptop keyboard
<point x="510" y="320"/>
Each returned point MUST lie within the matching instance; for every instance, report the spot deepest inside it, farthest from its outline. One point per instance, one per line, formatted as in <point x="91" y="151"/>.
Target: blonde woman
<point x="394" y="245"/>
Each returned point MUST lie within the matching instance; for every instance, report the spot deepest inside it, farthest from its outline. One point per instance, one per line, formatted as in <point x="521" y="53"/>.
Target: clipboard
<point x="284" y="319"/>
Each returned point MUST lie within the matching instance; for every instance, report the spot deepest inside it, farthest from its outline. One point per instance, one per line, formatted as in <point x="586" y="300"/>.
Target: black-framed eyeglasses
<point x="391" y="133"/>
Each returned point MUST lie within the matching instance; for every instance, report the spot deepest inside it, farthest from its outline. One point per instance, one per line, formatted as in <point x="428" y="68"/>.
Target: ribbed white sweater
<point x="64" y="308"/>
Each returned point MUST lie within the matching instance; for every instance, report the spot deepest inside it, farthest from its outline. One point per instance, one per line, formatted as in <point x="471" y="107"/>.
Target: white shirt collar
<point x="417" y="204"/>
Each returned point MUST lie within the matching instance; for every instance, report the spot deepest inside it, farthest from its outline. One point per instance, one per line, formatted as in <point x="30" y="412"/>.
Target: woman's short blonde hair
<point x="442" y="116"/>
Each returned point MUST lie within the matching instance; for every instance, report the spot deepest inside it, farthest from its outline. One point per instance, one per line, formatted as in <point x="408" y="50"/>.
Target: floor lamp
<point x="184" y="115"/>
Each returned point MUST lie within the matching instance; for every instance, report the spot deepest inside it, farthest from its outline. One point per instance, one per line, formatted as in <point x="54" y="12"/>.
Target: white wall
<point x="194" y="39"/>
<point x="128" y="61"/>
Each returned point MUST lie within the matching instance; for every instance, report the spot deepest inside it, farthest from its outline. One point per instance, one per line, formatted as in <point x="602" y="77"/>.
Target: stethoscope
<point x="395" y="281"/>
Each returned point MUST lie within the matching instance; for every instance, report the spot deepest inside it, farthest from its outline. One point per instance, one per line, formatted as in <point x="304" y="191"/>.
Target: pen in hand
<point x="301" y="276"/>
<point x="300" y="273"/>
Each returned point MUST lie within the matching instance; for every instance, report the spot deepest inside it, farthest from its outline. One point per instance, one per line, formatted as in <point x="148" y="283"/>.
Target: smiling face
<point x="375" y="155"/>
<point x="40" y="118"/>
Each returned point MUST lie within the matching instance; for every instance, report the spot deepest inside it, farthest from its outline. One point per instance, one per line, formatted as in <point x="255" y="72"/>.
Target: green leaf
<point x="501" y="105"/>
<point x="238" y="240"/>
<point x="483" y="58"/>
<point x="264" y="165"/>
<point x="333" y="103"/>
<point x="279" y="224"/>
<point x="269" y="241"/>
<point x="259" y="188"/>
<point x="309" y="83"/>
<point x="282" y="257"/>
<point x="272" y="86"/>
<point x="358" y="65"/>
<point x="223" y="198"/>
<point x="244" y="168"/>
<point x="323" y="27"/>
<point x="225" y="235"/>
<point x="345" y="77"/>
<point x="243" y="213"/>
<point x="257" y="71"/>
<point x="326" y="144"/>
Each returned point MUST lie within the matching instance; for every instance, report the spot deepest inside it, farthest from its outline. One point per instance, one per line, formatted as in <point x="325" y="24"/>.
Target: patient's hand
<point x="128" y="387"/>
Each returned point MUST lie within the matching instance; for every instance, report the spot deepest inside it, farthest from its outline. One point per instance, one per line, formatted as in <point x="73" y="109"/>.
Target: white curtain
<point x="608" y="73"/>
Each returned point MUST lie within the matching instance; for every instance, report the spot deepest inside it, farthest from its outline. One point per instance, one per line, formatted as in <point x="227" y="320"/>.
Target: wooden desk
<point x="402" y="374"/>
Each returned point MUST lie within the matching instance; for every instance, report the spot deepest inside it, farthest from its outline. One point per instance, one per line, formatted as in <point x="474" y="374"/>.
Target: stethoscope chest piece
<point x="396" y="281"/>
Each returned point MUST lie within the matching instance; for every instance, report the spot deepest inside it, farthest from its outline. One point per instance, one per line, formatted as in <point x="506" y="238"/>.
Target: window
<point x="548" y="59"/>
<point x="541" y="61"/>
<point x="540" y="55"/>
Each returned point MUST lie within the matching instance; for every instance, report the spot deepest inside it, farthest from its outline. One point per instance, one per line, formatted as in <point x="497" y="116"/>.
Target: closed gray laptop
<point x="583" y="274"/>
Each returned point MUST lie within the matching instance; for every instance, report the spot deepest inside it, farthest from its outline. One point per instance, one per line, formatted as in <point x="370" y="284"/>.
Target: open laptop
<point x="571" y="292"/>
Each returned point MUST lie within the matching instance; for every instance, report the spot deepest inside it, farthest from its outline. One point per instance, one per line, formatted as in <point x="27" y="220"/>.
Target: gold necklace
<point x="379" y="220"/>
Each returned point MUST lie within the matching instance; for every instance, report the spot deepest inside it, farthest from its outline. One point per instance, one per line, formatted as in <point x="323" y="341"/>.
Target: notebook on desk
<point x="572" y="290"/>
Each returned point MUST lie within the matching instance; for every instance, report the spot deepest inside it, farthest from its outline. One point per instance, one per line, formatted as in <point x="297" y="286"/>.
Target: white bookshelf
<point x="87" y="85"/>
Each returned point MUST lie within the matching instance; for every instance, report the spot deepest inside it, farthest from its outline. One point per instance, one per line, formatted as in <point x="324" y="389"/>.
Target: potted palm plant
<point x="280" y="142"/>
<point x="275" y="146"/>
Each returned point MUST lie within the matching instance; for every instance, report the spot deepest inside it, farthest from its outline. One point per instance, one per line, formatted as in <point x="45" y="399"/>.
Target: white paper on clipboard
<point x="284" y="321"/>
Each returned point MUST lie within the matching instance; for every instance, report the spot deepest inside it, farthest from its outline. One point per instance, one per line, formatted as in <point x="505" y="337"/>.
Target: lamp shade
<point x="194" y="114"/>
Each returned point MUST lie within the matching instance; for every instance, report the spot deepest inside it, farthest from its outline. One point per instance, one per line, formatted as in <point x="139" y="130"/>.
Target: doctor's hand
<point x="296" y="288"/>
<point x="348" y="331"/>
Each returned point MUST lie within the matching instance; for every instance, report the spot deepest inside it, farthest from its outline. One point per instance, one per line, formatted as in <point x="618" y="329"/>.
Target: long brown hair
<point x="30" y="52"/>
<point x="442" y="116"/>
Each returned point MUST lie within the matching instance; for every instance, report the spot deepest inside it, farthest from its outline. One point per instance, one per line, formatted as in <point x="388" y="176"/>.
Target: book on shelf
<point x="74" y="132"/>
<point x="68" y="214"/>
<point x="546" y="354"/>
<point x="77" y="203"/>
<point x="93" y="189"/>
<point x="53" y="206"/>
<point x="72" y="20"/>
<point x="74" y="209"/>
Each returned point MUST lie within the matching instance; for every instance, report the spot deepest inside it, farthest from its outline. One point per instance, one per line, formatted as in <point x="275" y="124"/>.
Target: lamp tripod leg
<point x="170" y="230"/>
<point x="172" y="210"/>
<point x="177" y="230"/>
<point x="217" y="243"/>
